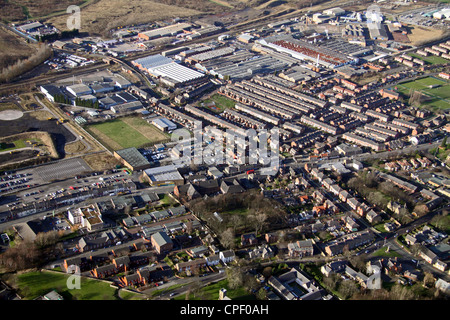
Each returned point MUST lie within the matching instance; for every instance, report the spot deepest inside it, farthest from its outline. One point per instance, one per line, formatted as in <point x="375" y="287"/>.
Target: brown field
<point x="421" y="35"/>
<point x="74" y="148"/>
<point x="101" y="161"/>
<point x="41" y="115"/>
<point x="16" y="10"/>
<point x="104" y="15"/>
<point x="13" y="48"/>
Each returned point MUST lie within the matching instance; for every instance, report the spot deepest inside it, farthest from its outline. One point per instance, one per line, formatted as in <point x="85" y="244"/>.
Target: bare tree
<point x="227" y="238"/>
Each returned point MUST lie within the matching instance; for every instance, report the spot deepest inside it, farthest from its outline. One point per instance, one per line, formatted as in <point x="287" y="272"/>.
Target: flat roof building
<point x="165" y="175"/>
<point x="132" y="159"/>
<point x="164" y="124"/>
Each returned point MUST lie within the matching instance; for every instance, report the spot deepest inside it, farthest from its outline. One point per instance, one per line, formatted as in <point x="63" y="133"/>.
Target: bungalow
<point x="160" y="215"/>
<point x="177" y="211"/>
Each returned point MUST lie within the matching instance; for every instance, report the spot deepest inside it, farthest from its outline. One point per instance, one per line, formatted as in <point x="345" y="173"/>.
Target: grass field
<point x="430" y="59"/>
<point x="34" y="284"/>
<point x="221" y="103"/>
<point x="17" y="145"/>
<point x="126" y="133"/>
<point x="382" y="253"/>
<point x="438" y="98"/>
<point x="211" y="292"/>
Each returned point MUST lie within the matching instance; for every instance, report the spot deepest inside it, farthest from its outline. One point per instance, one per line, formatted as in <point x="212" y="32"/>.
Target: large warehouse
<point x="166" y="175"/>
<point x="132" y="158"/>
<point x="167" y="70"/>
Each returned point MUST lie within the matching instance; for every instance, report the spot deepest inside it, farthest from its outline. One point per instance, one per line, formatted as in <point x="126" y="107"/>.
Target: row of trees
<point x="67" y="34"/>
<point x="87" y="103"/>
<point x="244" y="212"/>
<point x="21" y="66"/>
<point x="27" y="254"/>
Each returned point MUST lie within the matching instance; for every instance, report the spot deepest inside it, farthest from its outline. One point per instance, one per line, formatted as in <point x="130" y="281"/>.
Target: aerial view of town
<point x="238" y="150"/>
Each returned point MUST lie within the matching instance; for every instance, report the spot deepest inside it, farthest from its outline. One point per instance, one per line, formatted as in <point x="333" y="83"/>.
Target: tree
<point x="227" y="238"/>
<point x="235" y="277"/>
<point x="259" y="220"/>
<point x="236" y="221"/>
<point x="428" y="279"/>
<point x="261" y="294"/>
<point x="348" y="288"/>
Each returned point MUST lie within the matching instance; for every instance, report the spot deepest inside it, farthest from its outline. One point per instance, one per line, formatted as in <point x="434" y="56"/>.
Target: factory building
<point x="132" y="159"/>
<point x="168" y="71"/>
<point x="164" y="124"/>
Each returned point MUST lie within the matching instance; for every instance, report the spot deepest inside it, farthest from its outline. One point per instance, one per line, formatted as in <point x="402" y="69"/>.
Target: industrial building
<point x="132" y="159"/>
<point x="79" y="89"/>
<point x="163" y="124"/>
<point x="167" y="70"/>
<point x="165" y="175"/>
<point x="171" y="30"/>
<point x="247" y="69"/>
<point x="305" y="51"/>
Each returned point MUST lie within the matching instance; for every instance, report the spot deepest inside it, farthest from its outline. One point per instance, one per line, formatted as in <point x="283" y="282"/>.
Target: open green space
<point x="211" y="292"/>
<point x="383" y="253"/>
<point x="430" y="59"/>
<point x="34" y="284"/>
<point x="221" y="103"/>
<point x="437" y="97"/>
<point x="126" y="133"/>
<point x="16" y="144"/>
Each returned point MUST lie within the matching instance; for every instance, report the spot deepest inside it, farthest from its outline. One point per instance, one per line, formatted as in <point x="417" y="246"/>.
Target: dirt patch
<point x="101" y="161"/>
<point x="104" y="15"/>
<point x="13" y="48"/>
<point x="75" y="147"/>
<point x="420" y="35"/>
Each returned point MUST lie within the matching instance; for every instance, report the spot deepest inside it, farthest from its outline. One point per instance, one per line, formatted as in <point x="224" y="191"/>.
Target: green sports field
<point x="438" y="97"/>
<point x="126" y="133"/>
<point x="430" y="59"/>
